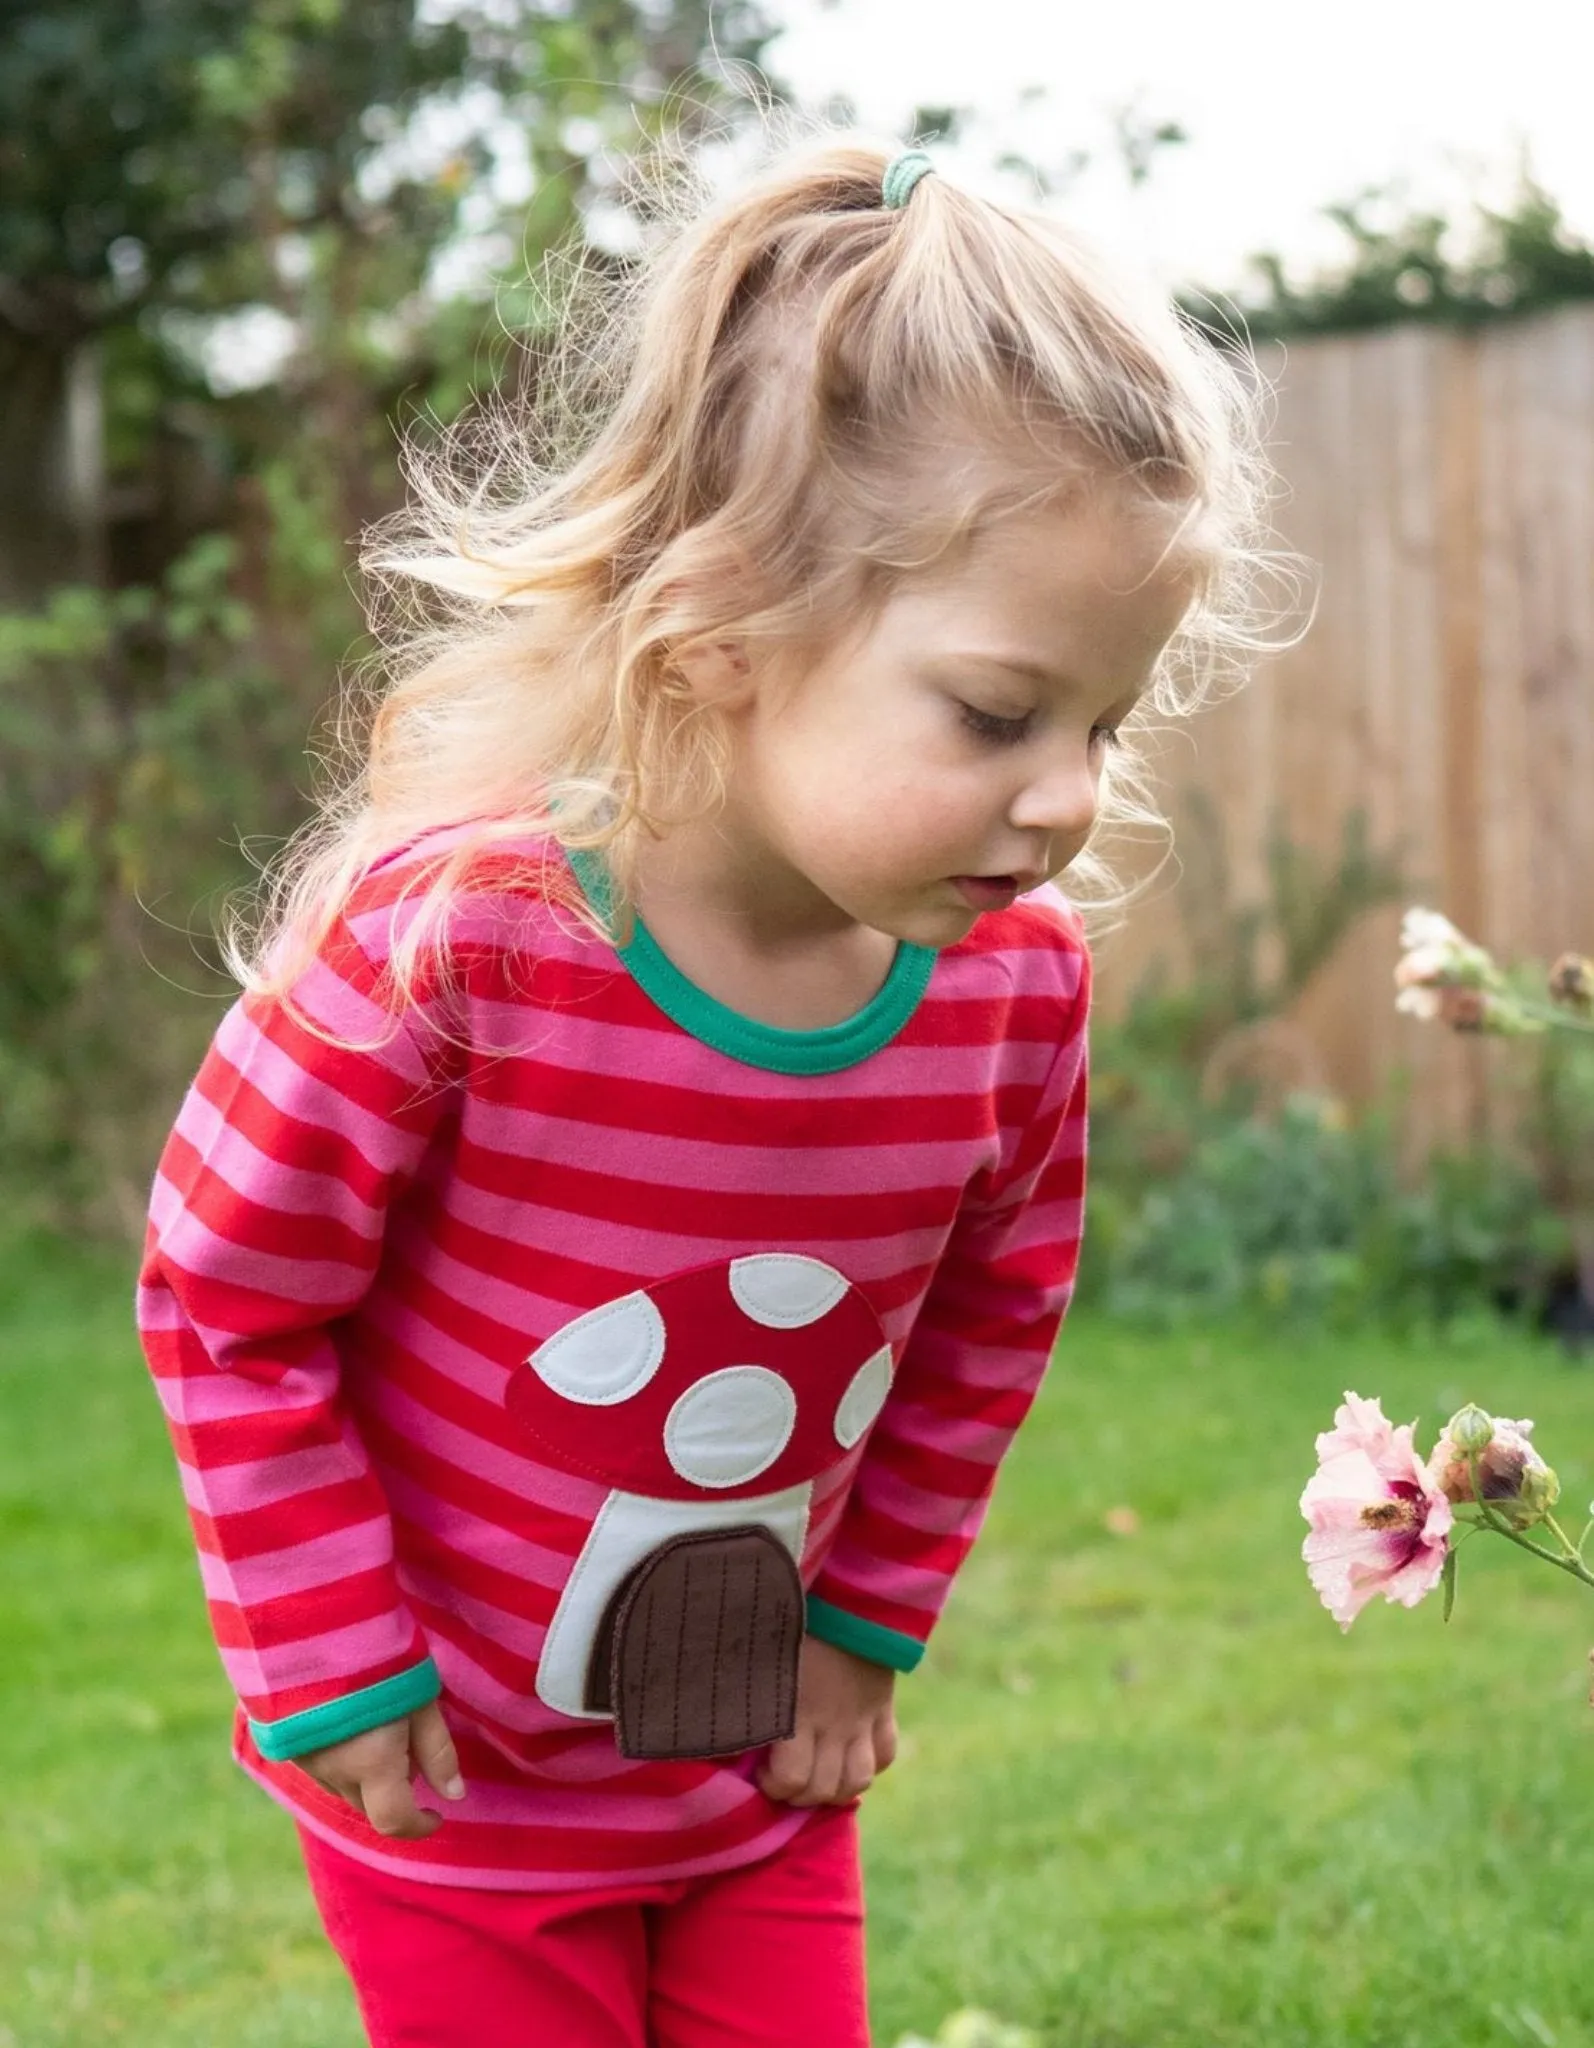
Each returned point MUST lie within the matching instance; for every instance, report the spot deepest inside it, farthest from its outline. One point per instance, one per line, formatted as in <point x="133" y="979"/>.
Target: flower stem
<point x="1571" y="1563"/>
<point x="1563" y="1020"/>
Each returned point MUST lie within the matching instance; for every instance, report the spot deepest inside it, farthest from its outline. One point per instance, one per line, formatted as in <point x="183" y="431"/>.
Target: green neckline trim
<point x="755" y="1044"/>
<point x="866" y="1639"/>
<point x="390" y="1699"/>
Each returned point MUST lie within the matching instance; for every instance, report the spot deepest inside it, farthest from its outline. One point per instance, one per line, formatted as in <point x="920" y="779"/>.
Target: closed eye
<point x="999" y="732"/>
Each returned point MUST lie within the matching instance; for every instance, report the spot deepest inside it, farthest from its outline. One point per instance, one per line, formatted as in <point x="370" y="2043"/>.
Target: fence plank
<point x="1443" y="484"/>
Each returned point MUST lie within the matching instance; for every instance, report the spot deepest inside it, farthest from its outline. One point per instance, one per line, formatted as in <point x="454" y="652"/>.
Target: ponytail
<point x="748" y="439"/>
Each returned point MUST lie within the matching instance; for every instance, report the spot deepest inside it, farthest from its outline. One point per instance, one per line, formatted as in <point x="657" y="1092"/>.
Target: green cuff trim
<point x="390" y="1699"/>
<point x="863" y="1638"/>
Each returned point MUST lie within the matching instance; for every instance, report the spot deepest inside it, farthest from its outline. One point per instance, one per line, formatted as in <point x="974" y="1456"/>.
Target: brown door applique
<point x="696" y="1654"/>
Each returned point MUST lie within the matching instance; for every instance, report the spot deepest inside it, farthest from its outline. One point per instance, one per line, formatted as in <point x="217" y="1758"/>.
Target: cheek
<point x="867" y="815"/>
<point x="887" y="790"/>
<point x="908" y="827"/>
<point x="876" y="776"/>
<point x="853" y="761"/>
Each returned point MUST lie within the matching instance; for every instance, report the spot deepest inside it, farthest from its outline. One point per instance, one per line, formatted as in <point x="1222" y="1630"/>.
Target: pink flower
<point x="1443" y="976"/>
<point x="1379" y="1521"/>
<point x="1434" y="954"/>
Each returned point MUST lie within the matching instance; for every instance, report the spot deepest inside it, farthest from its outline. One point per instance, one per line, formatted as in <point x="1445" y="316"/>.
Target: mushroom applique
<point x="709" y="1403"/>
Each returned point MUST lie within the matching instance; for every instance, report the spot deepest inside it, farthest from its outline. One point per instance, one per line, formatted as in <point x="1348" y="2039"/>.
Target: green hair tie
<point x="901" y="175"/>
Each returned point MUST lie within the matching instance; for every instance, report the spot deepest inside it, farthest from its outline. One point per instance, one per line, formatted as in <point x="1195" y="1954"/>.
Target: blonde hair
<point x="725" y="448"/>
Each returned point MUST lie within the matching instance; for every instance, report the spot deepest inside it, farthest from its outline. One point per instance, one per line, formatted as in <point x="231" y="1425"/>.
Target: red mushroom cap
<point x="742" y="1377"/>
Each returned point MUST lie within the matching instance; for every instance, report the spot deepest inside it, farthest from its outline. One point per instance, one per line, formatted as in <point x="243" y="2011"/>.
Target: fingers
<point x="372" y="1772"/>
<point x="823" y="1770"/>
<point x="824" y="1776"/>
<point x="858" y="1767"/>
<point x="432" y="1747"/>
<point x="390" y="1805"/>
<point x="785" y="1775"/>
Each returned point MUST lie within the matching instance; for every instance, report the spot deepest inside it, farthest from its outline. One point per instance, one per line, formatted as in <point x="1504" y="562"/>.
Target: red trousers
<point x="770" y="1956"/>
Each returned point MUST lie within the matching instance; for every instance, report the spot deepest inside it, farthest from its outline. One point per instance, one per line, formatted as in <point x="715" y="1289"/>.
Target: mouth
<point x="991" y="892"/>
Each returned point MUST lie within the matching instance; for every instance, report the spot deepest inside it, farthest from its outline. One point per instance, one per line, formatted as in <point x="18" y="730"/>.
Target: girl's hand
<point x="846" y="1731"/>
<point x="373" y="1771"/>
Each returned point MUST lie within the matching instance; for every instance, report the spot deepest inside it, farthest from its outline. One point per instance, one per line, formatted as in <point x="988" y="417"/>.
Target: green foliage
<point x="1227" y="1180"/>
<point x="160" y="174"/>
<point x="172" y="180"/>
<point x="1479" y="1227"/>
<point x="134" y="729"/>
<point x="1557" y="1093"/>
<point x="153" y="156"/>
<point x="1417" y="265"/>
<point x="1264" y="1213"/>
<point x="1302" y="1217"/>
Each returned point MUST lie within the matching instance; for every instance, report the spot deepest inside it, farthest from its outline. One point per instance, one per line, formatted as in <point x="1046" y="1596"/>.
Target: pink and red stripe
<point x="350" y="1250"/>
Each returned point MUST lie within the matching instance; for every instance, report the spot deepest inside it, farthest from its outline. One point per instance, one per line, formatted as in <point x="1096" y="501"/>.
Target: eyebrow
<point x="1034" y="672"/>
<point x="1014" y="664"/>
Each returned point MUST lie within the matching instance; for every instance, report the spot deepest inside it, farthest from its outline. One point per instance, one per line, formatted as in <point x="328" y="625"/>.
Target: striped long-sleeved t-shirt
<point x="457" y="1315"/>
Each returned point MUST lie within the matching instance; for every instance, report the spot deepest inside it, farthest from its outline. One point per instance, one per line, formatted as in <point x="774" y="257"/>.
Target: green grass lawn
<point x="1149" y="1797"/>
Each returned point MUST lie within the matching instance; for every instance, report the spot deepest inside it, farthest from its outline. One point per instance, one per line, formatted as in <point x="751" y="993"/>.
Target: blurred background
<point x="243" y="243"/>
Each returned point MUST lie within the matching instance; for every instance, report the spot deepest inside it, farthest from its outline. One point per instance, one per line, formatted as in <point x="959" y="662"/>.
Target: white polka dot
<point x="784" y="1290"/>
<point x="605" y="1356"/>
<point x="864" y="1398"/>
<point x="731" y="1426"/>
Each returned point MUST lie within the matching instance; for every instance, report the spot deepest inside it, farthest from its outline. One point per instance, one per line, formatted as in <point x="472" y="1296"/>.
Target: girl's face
<point x="948" y="757"/>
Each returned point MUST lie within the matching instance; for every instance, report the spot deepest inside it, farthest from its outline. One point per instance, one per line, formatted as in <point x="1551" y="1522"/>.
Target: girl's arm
<point x="966" y="1380"/>
<point x="267" y="1225"/>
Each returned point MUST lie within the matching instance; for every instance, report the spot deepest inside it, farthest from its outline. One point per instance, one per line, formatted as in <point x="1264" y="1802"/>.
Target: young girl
<point x="604" y="1257"/>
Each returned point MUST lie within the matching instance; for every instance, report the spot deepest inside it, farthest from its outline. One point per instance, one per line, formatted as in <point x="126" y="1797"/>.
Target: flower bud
<point x="1538" y="1493"/>
<point x="1572" y="983"/>
<point x="1470" y="1429"/>
<point x="1516" y="1483"/>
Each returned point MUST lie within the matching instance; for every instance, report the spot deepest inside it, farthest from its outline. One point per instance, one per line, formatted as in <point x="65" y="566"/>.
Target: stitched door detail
<point x="696" y="1653"/>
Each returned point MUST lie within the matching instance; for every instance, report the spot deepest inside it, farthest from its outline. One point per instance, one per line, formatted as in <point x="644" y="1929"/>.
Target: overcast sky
<point x="1288" y="107"/>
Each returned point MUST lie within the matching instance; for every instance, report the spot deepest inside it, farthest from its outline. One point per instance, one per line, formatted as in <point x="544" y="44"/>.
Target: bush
<point x="1227" y="1179"/>
<point x="139" y="729"/>
<point x="1405" y="263"/>
<point x="1304" y="1216"/>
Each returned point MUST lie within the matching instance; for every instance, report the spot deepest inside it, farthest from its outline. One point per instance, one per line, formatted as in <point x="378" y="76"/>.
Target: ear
<point x="716" y="672"/>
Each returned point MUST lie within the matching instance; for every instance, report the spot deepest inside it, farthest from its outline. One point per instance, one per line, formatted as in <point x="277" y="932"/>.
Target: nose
<point x="1060" y="801"/>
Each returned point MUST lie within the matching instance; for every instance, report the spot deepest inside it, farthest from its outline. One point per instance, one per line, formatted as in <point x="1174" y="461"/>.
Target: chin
<point x="942" y="926"/>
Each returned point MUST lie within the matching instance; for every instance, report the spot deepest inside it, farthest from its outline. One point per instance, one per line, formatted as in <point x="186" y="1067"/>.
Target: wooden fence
<point x="1443" y="484"/>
